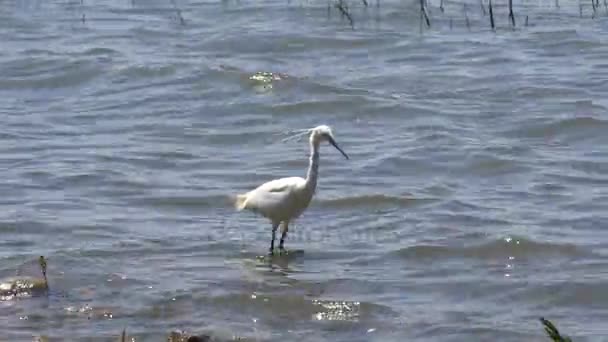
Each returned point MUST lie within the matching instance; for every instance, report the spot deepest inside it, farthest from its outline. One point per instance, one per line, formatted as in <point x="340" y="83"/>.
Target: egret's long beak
<point x="333" y="142"/>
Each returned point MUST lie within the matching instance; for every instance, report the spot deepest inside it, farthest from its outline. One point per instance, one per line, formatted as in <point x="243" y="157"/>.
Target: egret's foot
<point x="283" y="251"/>
<point x="271" y="252"/>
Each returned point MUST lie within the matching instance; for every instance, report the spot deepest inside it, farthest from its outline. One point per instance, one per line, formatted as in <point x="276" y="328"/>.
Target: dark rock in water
<point x="184" y="337"/>
<point x="202" y="338"/>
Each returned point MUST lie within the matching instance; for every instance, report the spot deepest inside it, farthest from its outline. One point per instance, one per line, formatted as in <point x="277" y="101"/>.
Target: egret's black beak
<point x="333" y="142"/>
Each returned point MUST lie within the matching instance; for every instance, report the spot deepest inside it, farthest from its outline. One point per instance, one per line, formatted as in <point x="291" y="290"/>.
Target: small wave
<point x="100" y="51"/>
<point x="296" y="306"/>
<point x="580" y="125"/>
<point x="183" y="202"/>
<point x="492" y="165"/>
<point x="52" y="75"/>
<point x="585" y="294"/>
<point x="147" y="71"/>
<point x="372" y="201"/>
<point x="516" y="247"/>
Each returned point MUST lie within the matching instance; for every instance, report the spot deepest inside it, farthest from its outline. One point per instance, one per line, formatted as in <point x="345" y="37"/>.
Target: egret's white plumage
<point x="285" y="199"/>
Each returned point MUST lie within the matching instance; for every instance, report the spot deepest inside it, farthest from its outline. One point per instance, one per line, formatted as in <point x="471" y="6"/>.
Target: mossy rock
<point x="21" y="287"/>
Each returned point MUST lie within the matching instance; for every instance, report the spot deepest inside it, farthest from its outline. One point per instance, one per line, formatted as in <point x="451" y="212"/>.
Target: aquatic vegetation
<point x="552" y="331"/>
<point x="264" y="81"/>
<point x="266" y="77"/>
<point x="342" y="6"/>
<point x="337" y="311"/>
<point x="42" y="262"/>
<point x="486" y="8"/>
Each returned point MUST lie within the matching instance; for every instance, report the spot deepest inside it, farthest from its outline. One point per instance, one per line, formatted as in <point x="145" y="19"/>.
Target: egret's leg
<point x="274" y="231"/>
<point x="284" y="230"/>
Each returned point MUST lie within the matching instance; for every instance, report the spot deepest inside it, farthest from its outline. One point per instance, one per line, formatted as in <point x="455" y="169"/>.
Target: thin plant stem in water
<point x="466" y="17"/>
<point x="424" y="15"/>
<point x="178" y="12"/>
<point x="84" y="17"/>
<point x="552" y="331"/>
<point x="42" y="263"/>
<point x="343" y="8"/>
<point x="511" y="15"/>
<point x="491" y="15"/>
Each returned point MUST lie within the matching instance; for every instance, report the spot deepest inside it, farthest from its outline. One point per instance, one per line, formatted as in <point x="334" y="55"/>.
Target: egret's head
<point x="324" y="133"/>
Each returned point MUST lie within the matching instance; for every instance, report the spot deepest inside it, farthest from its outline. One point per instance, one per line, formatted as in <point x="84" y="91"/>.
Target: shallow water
<point x="474" y="201"/>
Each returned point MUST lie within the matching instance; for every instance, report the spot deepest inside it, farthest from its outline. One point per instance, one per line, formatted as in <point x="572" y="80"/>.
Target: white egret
<point x="284" y="199"/>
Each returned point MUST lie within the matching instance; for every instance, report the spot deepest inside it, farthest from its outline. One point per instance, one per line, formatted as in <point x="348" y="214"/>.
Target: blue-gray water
<point x="474" y="201"/>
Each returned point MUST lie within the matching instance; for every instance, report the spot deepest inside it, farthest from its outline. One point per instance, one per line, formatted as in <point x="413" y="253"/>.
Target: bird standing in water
<point x="284" y="199"/>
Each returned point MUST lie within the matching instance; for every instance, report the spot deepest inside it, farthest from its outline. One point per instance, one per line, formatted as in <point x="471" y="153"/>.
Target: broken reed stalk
<point x="178" y="12"/>
<point x="483" y="9"/>
<point x="606" y="6"/>
<point x="466" y="17"/>
<point x="556" y="3"/>
<point x="441" y="6"/>
<point x="365" y="3"/>
<point x="340" y="5"/>
<point x="552" y="331"/>
<point x="42" y="263"/>
<point x="84" y="17"/>
<point x="511" y="15"/>
<point x="491" y="15"/>
<point x="123" y="337"/>
<point x="424" y="15"/>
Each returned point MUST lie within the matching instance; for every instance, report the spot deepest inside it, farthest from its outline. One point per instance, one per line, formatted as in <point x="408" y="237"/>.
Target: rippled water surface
<point x="474" y="201"/>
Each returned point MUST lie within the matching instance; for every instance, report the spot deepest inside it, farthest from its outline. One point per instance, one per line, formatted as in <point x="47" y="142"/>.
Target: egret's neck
<point x="313" y="167"/>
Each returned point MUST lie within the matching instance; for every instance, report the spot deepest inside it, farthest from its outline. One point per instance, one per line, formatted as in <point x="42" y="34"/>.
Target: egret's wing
<point x="280" y="185"/>
<point x="267" y="202"/>
<point x="279" y="188"/>
<point x="272" y="196"/>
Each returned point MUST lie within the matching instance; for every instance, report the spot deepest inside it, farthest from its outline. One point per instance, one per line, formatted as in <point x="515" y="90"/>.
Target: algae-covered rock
<point x="21" y="287"/>
<point x="264" y="81"/>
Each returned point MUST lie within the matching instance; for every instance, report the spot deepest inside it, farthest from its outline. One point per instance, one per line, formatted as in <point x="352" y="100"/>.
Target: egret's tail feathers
<point x="240" y="202"/>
